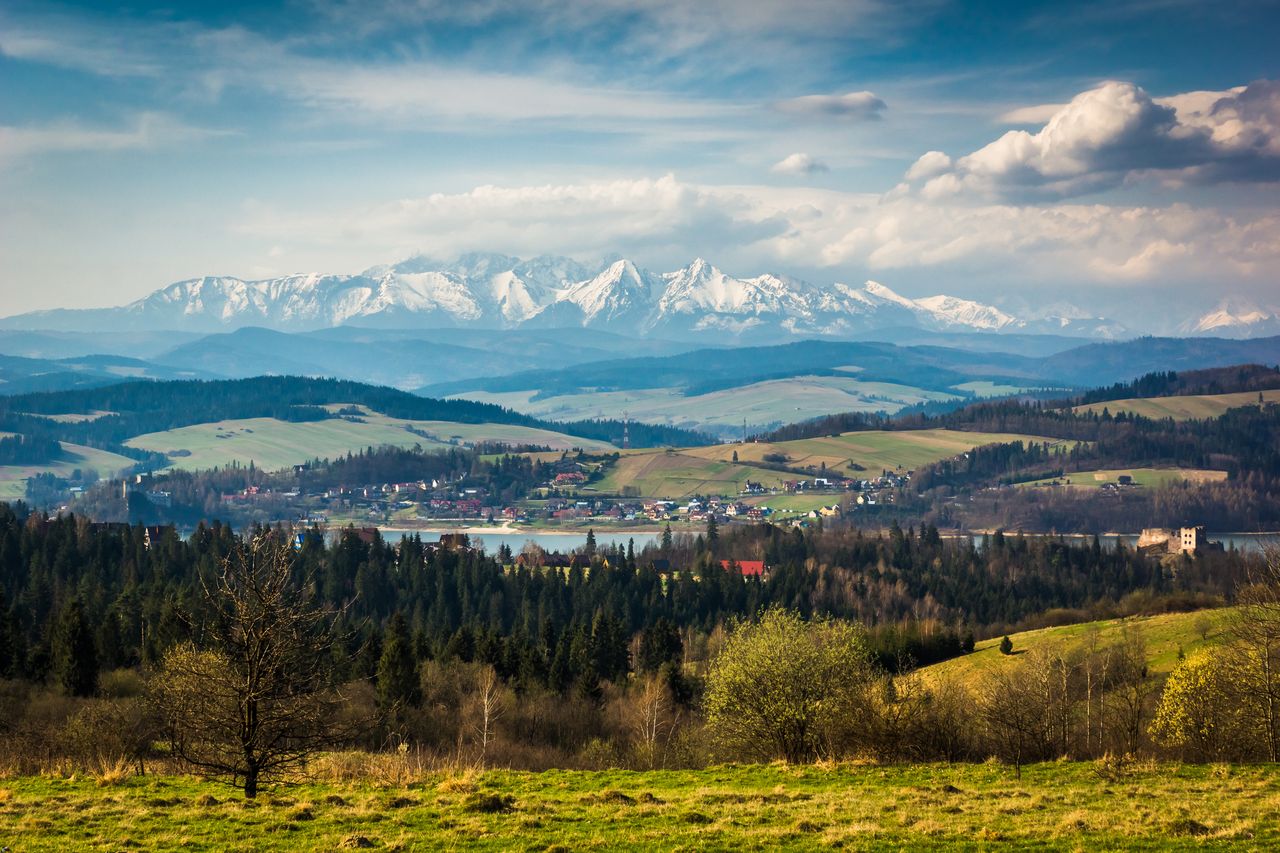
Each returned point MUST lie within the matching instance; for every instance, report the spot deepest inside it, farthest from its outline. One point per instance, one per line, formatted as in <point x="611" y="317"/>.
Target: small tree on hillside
<point x="254" y="697"/>
<point x="782" y="687"/>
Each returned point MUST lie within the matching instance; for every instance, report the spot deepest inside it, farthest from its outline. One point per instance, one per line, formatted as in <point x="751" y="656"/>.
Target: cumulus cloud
<point x="1117" y="131"/>
<point x="799" y="164"/>
<point x="859" y="106"/>
<point x="666" y="220"/>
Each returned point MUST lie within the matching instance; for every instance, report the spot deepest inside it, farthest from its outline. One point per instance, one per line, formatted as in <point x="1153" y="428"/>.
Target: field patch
<point x="13" y="478"/>
<point x="1054" y="806"/>
<point x="1147" y="477"/>
<point x="713" y="470"/>
<point x="1181" y="408"/>
<point x="273" y="444"/>
<point x="854" y="454"/>
<point x="680" y="474"/>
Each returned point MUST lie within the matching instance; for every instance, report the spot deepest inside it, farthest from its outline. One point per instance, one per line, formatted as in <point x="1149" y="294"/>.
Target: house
<point x="455" y="542"/>
<point x="570" y="478"/>
<point x="153" y="533"/>
<point x="749" y="568"/>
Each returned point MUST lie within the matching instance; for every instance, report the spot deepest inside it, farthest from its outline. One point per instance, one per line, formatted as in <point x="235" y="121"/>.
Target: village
<point x="566" y="500"/>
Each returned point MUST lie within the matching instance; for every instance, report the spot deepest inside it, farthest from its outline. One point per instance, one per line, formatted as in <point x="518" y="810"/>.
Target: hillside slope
<point x="1164" y="635"/>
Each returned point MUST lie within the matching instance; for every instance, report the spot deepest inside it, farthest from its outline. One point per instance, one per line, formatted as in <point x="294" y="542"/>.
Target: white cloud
<point x="861" y="106"/>
<point x="929" y="164"/>
<point x="65" y="43"/>
<point x="799" y="164"/>
<point x="755" y="227"/>
<point x="1117" y="131"/>
<point x="150" y="130"/>
<point x="1038" y="114"/>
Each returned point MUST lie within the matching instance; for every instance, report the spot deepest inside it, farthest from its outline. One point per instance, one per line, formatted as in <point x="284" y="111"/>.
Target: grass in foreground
<point x="1054" y="806"/>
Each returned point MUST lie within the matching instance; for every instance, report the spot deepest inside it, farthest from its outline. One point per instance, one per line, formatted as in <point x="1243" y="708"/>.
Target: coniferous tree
<point x="398" y="683"/>
<point x="8" y="650"/>
<point x="75" y="658"/>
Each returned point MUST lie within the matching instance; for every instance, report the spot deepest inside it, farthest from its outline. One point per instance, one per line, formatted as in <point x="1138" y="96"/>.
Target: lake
<point x="548" y="541"/>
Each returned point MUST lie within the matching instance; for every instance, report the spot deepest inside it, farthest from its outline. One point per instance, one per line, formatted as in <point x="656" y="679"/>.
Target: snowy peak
<point x="1235" y="318"/>
<point x="496" y="291"/>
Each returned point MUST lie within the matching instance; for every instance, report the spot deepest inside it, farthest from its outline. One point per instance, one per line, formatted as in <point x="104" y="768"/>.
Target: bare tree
<point x="652" y="719"/>
<point x="1016" y="703"/>
<point x="254" y="696"/>
<point x="488" y="707"/>
<point x="1253" y="659"/>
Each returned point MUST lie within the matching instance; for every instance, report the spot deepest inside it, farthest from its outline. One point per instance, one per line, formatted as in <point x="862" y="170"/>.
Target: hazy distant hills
<point x="488" y="291"/>
<point x="23" y="375"/>
<point x="928" y="367"/>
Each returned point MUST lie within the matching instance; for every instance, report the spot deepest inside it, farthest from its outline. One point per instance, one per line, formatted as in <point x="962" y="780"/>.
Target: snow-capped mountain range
<point x="496" y="292"/>
<point x="1235" y="318"/>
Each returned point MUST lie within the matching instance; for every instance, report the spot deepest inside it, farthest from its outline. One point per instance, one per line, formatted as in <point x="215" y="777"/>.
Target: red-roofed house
<point x="749" y="568"/>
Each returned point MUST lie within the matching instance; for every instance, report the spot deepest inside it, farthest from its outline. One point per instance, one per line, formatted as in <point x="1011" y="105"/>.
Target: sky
<point x="1122" y="156"/>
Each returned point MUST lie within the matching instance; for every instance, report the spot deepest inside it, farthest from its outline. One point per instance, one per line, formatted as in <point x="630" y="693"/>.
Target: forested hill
<point x="142" y="407"/>
<point x="1216" y="380"/>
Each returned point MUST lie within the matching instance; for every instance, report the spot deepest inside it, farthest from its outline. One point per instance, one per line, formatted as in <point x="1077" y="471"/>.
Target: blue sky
<point x="1108" y="154"/>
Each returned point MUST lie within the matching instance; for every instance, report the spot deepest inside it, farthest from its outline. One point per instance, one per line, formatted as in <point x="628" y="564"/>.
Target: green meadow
<point x="1164" y="636"/>
<point x="1054" y="806"/>
<point x="1149" y="477"/>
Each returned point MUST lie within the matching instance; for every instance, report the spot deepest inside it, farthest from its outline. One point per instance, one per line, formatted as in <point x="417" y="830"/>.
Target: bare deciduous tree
<point x="488" y="706"/>
<point x="1253" y="659"/>
<point x="254" y="696"/>
<point x="652" y="720"/>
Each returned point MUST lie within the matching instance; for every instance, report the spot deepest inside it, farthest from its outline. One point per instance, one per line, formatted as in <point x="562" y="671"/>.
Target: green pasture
<point x="1149" y="477"/>
<point x="873" y="450"/>
<point x="663" y="474"/>
<point x="1163" y="636"/>
<point x="1053" y="806"/>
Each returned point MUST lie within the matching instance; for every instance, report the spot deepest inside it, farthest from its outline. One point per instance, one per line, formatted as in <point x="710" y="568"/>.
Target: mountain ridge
<point x="491" y="291"/>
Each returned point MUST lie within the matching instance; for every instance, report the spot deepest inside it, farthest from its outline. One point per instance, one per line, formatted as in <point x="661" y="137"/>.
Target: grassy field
<point x="1163" y="635"/>
<point x="679" y="474"/>
<point x="13" y="478"/>
<point x="273" y="444"/>
<point x="711" y="469"/>
<point x="874" y="450"/>
<point x="1058" y="806"/>
<point x="777" y="401"/>
<point x="1183" y="408"/>
<point x="795" y="503"/>
<point x="1141" y="477"/>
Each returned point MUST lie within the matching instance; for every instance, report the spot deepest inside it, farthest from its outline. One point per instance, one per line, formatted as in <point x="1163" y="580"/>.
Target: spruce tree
<point x="8" y="652"/>
<point x="75" y="658"/>
<point x="398" y="683"/>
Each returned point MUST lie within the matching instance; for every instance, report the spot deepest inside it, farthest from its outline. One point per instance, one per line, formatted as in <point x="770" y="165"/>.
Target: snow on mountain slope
<point x="1235" y="318"/>
<point x="494" y="291"/>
